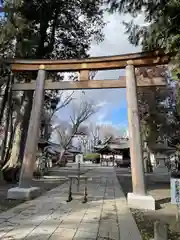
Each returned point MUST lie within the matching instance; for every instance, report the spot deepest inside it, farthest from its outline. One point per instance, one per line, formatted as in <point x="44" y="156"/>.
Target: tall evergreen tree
<point x="54" y="29"/>
<point x="51" y="29"/>
<point x="161" y="30"/>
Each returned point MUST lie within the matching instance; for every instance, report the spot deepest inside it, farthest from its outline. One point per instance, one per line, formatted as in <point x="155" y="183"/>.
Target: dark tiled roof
<point x="117" y="144"/>
<point x="56" y="148"/>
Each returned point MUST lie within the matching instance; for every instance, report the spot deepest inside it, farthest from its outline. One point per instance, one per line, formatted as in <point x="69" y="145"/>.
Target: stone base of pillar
<point x="146" y="202"/>
<point x="23" y="193"/>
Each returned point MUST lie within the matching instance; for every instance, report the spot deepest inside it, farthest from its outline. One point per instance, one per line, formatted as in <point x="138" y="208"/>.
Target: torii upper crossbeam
<point x="138" y="199"/>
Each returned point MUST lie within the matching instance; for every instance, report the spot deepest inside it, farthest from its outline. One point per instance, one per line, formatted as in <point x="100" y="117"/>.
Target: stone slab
<point x="104" y="216"/>
<point x="23" y="193"/>
<point x="141" y="202"/>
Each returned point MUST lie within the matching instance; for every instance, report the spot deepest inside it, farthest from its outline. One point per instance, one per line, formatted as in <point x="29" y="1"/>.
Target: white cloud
<point x="101" y="116"/>
<point x="115" y="42"/>
<point x="101" y="104"/>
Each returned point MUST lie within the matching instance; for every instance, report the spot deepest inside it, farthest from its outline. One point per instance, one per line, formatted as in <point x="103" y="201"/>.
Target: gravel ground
<point x="166" y="211"/>
<point x="146" y="225"/>
<point x="43" y="184"/>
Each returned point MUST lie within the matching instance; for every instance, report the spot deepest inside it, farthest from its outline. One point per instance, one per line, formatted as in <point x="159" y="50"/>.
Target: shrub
<point x="92" y="157"/>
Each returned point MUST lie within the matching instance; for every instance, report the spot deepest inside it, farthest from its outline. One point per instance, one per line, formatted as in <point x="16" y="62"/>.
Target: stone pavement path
<point x="104" y="216"/>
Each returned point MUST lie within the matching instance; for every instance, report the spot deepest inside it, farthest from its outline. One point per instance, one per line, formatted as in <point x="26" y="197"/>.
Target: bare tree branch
<point x="65" y="102"/>
<point x="92" y="75"/>
<point x="80" y="114"/>
<point x="62" y="103"/>
<point x="83" y="112"/>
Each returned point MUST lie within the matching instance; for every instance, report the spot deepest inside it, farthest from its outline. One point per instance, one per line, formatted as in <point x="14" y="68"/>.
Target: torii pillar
<point x="139" y="198"/>
<point x="25" y="190"/>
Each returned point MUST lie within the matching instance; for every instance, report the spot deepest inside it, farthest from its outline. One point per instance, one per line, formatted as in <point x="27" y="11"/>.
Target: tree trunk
<point x="60" y="161"/>
<point x="13" y="160"/>
<point x="12" y="166"/>
<point x="10" y="169"/>
<point x="11" y="132"/>
<point x="25" y="123"/>
<point x="4" y="99"/>
<point x="46" y="131"/>
<point x="8" y="105"/>
<point x="5" y="139"/>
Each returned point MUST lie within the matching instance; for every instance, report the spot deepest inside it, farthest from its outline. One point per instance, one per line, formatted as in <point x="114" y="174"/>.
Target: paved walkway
<point x="105" y="216"/>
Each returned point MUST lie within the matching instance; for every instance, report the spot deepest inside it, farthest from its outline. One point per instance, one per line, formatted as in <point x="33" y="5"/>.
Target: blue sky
<point x="113" y="109"/>
<point x="115" y="42"/>
<point x="113" y="101"/>
<point x="119" y="115"/>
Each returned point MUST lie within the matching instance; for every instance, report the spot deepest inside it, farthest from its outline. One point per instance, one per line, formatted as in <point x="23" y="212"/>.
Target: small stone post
<point x="79" y="173"/>
<point x="160" y="231"/>
<point x="138" y="198"/>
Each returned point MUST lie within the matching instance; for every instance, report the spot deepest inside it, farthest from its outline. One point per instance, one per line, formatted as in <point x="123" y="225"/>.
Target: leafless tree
<point x="94" y="130"/>
<point x="92" y="75"/>
<point x="80" y="114"/>
<point x="100" y="133"/>
<point x="83" y="130"/>
<point x="48" y="113"/>
<point x="62" y="101"/>
<point x="103" y="131"/>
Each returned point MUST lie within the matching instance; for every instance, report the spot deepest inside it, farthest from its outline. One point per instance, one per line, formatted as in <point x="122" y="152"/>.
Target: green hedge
<point x="91" y="156"/>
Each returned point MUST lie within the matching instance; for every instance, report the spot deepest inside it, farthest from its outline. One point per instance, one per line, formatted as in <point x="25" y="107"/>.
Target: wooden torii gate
<point x="138" y="198"/>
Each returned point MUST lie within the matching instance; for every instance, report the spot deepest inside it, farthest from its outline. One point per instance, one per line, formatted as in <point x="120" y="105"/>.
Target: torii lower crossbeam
<point x="139" y="198"/>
